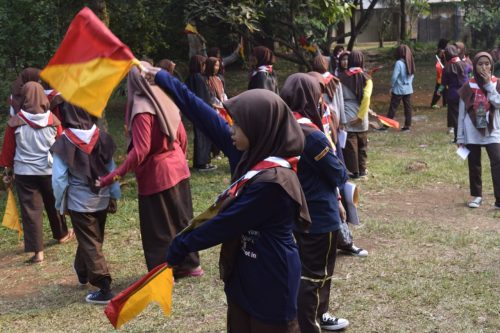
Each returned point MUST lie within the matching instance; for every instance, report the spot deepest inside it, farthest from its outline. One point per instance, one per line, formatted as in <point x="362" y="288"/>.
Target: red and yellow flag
<point x="388" y="121"/>
<point x="11" y="215"/>
<point x="156" y="286"/>
<point x="89" y="63"/>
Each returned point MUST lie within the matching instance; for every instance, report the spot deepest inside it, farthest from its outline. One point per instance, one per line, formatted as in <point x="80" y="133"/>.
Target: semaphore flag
<point x="11" y="215"/>
<point x="156" y="286"/>
<point x="89" y="63"/>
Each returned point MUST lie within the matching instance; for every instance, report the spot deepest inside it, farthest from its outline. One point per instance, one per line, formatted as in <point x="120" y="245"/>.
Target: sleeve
<point x="493" y="95"/>
<point x="233" y="57"/>
<point x="245" y="213"/>
<point x="141" y="138"/>
<point x="461" y="123"/>
<point x="339" y="101"/>
<point x="395" y="74"/>
<point x="182" y="137"/>
<point x="8" y="148"/>
<point x="60" y="180"/>
<point x="201" y="115"/>
<point x="114" y="189"/>
<point x="365" y="102"/>
<point x="332" y="170"/>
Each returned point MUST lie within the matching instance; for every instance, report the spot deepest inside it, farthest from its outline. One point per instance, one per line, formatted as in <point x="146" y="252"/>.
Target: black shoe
<point x="405" y="129"/>
<point x="331" y="323"/>
<point x="99" y="297"/>
<point x="205" y="167"/>
<point x="354" y="175"/>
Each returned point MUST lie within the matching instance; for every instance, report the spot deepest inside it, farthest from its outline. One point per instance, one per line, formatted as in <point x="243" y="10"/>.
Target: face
<point x="216" y="67"/>
<point x="344" y="61"/>
<point x="240" y="140"/>
<point x="483" y="65"/>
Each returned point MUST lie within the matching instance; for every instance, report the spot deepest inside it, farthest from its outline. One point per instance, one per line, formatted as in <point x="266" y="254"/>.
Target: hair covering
<point x="404" y="53"/>
<point x="318" y="77"/>
<point x="442" y="43"/>
<point x="355" y="82"/>
<point x="455" y="67"/>
<point x="263" y="56"/>
<point x="461" y="49"/>
<point x="320" y="65"/>
<point x="197" y="64"/>
<point x="89" y="165"/>
<point x="302" y="94"/>
<point x="334" y="57"/>
<point x="214" y="83"/>
<point x="27" y="75"/>
<point x="467" y="94"/>
<point x="341" y="55"/>
<point x="33" y="98"/>
<point x="214" y="52"/>
<point x="146" y="98"/>
<point x="167" y="65"/>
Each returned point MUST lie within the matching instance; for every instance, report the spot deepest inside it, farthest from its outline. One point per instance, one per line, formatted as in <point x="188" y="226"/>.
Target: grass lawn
<point x="434" y="265"/>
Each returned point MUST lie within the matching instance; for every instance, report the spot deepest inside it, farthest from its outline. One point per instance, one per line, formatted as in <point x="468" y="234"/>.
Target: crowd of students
<point x="280" y="221"/>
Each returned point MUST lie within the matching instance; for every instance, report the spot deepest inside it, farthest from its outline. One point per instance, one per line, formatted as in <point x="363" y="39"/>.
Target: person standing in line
<point x="455" y="74"/>
<point x="157" y="155"/>
<point x="29" y="74"/>
<point x="357" y="87"/>
<point x="479" y="126"/>
<point x="334" y="59"/>
<point x="440" y="62"/>
<point x="28" y="137"/>
<point x="82" y="154"/>
<point x="263" y="75"/>
<point x="402" y="85"/>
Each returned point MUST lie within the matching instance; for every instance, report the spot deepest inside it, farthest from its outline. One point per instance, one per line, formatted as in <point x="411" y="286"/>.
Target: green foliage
<point x="481" y="16"/>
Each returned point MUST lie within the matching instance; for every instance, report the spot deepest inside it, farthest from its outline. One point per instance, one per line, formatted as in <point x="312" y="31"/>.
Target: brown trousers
<point x="89" y="259"/>
<point x="475" y="169"/>
<point x="35" y="193"/>
<point x="162" y="216"/>
<point x="318" y="253"/>
<point x="395" y="100"/>
<point x="355" y="152"/>
<point x="239" y="321"/>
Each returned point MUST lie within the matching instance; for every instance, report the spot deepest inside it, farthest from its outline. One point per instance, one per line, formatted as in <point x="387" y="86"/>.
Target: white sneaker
<point x="475" y="202"/>
<point x="355" y="251"/>
<point x="330" y="323"/>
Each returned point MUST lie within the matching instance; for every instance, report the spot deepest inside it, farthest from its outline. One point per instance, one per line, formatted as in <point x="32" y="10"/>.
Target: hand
<point x="151" y="74"/>
<point x="7" y="179"/>
<point x="486" y="76"/>
<point x="460" y="145"/>
<point x="355" y="122"/>
<point x="113" y="206"/>
<point x="372" y="113"/>
<point x="342" y="212"/>
<point x="98" y="182"/>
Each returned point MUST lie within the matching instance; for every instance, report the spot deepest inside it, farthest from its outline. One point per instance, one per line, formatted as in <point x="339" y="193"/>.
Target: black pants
<point x="436" y="96"/>
<point x="318" y="253"/>
<point x="395" y="100"/>
<point x="202" y="148"/>
<point x="356" y="152"/>
<point x="475" y="169"/>
<point x="453" y="117"/>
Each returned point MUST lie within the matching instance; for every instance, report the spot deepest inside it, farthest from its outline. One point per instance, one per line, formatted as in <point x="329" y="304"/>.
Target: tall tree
<point x="402" y="17"/>
<point x="482" y="17"/>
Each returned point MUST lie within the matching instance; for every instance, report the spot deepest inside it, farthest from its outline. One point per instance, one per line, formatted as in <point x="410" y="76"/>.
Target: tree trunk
<point x="402" y="35"/>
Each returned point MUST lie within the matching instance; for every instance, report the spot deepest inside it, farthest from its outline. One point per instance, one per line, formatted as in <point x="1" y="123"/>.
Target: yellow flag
<point x="190" y="29"/>
<point x="11" y="215"/>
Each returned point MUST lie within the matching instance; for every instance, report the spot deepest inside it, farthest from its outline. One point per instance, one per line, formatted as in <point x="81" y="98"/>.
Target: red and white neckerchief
<point x="305" y="121"/>
<point x="454" y="60"/>
<point x="263" y="69"/>
<point x="353" y="71"/>
<point x="39" y="120"/>
<point x="268" y="163"/>
<point x="480" y="97"/>
<point x="327" y="77"/>
<point x="51" y="93"/>
<point x="85" y="140"/>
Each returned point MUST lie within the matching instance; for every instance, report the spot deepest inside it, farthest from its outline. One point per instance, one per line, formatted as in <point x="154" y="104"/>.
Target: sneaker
<point x="196" y="272"/>
<point x="206" y="167"/>
<point x="451" y="130"/>
<point x="363" y="174"/>
<point x="99" y="297"/>
<point x="330" y="323"/>
<point x="475" y="202"/>
<point x="82" y="279"/>
<point x="355" y="251"/>
<point x="405" y="129"/>
<point x="435" y="106"/>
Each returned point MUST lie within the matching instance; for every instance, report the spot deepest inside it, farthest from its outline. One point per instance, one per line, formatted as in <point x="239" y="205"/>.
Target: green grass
<point x="433" y="264"/>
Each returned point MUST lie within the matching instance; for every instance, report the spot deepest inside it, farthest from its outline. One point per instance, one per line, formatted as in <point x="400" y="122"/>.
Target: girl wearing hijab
<point x="402" y="84"/>
<point x="28" y="138"/>
<point x="479" y="125"/>
<point x="263" y="76"/>
<point x="343" y="63"/>
<point x="81" y="155"/>
<point x="357" y="88"/>
<point x="29" y="74"/>
<point x="455" y="74"/>
<point x="334" y="58"/>
<point x="440" y="62"/>
<point x="225" y="61"/>
<point x="320" y="173"/>
<point x="262" y="295"/>
<point x="202" y="146"/>
<point x="157" y="156"/>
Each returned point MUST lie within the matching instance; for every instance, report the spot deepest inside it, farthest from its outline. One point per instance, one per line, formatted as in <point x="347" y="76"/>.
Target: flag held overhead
<point x="90" y="62"/>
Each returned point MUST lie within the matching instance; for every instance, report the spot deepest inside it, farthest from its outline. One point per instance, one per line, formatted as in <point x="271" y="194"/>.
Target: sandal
<point x="475" y="202"/>
<point x="69" y="236"/>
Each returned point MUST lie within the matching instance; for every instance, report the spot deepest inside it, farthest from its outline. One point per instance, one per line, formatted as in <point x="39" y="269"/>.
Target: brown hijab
<point x="197" y="64"/>
<point x="458" y="67"/>
<point x="214" y="83"/>
<point x="355" y="82"/>
<point x="467" y="94"/>
<point x="404" y="53"/>
<point x="320" y="65"/>
<point x="146" y="98"/>
<point x="302" y="94"/>
<point x="29" y="74"/>
<point x="263" y="56"/>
